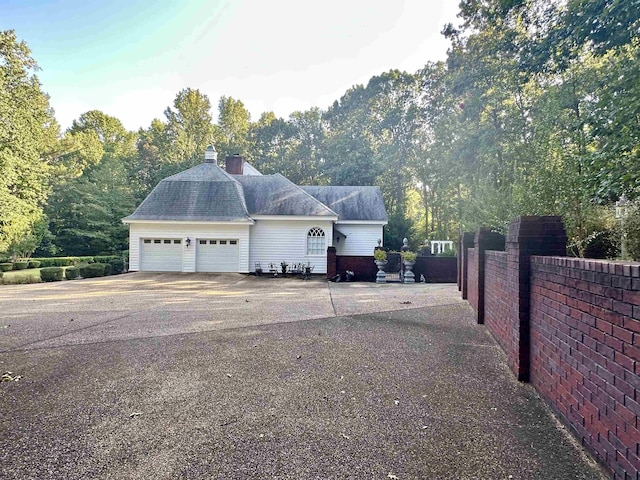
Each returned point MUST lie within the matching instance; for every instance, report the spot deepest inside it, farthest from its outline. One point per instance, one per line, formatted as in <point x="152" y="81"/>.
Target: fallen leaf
<point x="135" y="414"/>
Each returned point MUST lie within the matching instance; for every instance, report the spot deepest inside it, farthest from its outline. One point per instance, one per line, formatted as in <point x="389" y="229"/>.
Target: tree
<point x="189" y="130"/>
<point x="232" y="129"/>
<point x="28" y="133"/>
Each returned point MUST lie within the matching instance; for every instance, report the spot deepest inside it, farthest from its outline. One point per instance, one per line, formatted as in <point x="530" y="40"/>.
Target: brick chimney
<point x="234" y="164"/>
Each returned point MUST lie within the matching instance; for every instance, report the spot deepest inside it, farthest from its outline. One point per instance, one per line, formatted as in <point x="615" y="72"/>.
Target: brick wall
<point x="585" y="353"/>
<point x="472" y="272"/>
<point x="499" y="306"/>
<point x="571" y="327"/>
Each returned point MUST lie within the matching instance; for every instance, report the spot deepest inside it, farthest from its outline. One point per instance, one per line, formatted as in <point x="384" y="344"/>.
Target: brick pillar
<point x="467" y="242"/>
<point x="528" y="236"/>
<point x="332" y="262"/>
<point x="484" y="240"/>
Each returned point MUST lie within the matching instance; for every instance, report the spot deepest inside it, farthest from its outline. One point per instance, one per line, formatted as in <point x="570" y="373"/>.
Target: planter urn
<point x="381" y="276"/>
<point x="409" y="276"/>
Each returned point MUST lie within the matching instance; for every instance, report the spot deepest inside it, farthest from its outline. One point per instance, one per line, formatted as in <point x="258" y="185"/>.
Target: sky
<point x="129" y="58"/>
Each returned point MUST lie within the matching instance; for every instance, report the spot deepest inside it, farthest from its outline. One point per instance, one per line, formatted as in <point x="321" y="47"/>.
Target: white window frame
<point x="316" y="242"/>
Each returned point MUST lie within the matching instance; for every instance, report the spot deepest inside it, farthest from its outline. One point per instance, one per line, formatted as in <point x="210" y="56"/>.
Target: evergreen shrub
<point x="20" y="265"/>
<point x="34" y="264"/>
<point x="6" y="267"/>
<point x="71" y="273"/>
<point x="92" y="270"/>
<point x="47" y="262"/>
<point x="107" y="269"/>
<point x="51" y="274"/>
<point x="117" y="266"/>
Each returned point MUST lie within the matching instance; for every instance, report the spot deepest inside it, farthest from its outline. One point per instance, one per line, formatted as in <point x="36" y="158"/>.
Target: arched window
<point x="315" y="241"/>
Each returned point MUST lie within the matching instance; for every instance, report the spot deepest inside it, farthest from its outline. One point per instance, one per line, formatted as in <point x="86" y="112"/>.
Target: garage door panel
<point x="217" y="255"/>
<point x="161" y="255"/>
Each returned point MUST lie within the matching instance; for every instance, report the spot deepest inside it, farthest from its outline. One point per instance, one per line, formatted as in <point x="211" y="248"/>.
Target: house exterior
<point x="210" y="219"/>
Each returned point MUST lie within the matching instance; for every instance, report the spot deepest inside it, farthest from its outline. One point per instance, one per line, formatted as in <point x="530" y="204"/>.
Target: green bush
<point x="632" y="233"/>
<point x="20" y="265"/>
<point x="71" y="273"/>
<point x="34" y="264"/>
<point x="47" y="262"/>
<point x="117" y="266"/>
<point x="63" y="261"/>
<point x="83" y="260"/>
<point x="51" y="274"/>
<point x="6" y="267"/>
<point x="92" y="270"/>
<point x="105" y="258"/>
<point x="107" y="269"/>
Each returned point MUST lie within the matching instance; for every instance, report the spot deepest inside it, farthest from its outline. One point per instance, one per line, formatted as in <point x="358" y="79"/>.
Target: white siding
<point x="273" y="241"/>
<point x="192" y="231"/>
<point x="361" y="239"/>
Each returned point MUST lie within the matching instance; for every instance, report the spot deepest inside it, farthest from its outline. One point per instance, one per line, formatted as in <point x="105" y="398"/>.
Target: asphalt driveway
<point x="227" y="376"/>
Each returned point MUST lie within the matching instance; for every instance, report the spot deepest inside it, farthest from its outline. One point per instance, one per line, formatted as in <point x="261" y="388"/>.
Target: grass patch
<point x="16" y="277"/>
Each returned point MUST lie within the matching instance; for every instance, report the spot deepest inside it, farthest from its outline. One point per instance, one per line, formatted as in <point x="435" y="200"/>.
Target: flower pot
<point x="409" y="276"/>
<point x="381" y="276"/>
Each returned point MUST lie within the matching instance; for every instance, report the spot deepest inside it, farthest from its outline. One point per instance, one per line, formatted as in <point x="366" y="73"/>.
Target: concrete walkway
<point x="195" y="376"/>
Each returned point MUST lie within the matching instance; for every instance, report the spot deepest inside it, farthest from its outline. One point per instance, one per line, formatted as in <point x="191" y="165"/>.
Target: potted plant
<point x="409" y="260"/>
<point x="283" y="266"/>
<point x="380" y="257"/>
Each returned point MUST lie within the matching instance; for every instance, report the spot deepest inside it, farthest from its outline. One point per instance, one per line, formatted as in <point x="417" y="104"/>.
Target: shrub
<point x="51" y="274"/>
<point x="105" y="258"/>
<point x="602" y="244"/>
<point x="6" y="267"/>
<point x="71" y="273"/>
<point x="20" y="265"/>
<point x="107" y="269"/>
<point x="117" y="266"/>
<point x="632" y="233"/>
<point x="47" y="262"/>
<point x="92" y="270"/>
<point x="379" y="255"/>
<point x="86" y="260"/>
<point x="63" y="261"/>
<point x="449" y="253"/>
<point x="34" y="264"/>
<point x="409" y="256"/>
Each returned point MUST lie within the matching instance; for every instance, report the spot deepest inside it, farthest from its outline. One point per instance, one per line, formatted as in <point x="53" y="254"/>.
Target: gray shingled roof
<point x="276" y="195"/>
<point x="352" y="203"/>
<point x="202" y="193"/>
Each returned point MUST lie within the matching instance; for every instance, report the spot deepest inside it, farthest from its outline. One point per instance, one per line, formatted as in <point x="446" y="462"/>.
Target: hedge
<point x="71" y="273"/>
<point x="34" y="264"/>
<point x="105" y="258"/>
<point x="92" y="270"/>
<point x="6" y="267"/>
<point x="117" y="266"/>
<point x="51" y="274"/>
<point x="86" y="260"/>
<point x="64" y="261"/>
<point x="46" y="262"/>
<point x="20" y="265"/>
<point x="107" y="269"/>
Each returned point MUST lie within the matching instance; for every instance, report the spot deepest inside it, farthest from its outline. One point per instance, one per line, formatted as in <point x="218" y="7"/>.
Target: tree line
<point x="535" y="111"/>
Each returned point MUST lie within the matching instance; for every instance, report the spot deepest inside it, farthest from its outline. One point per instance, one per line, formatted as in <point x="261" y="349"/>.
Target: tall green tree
<point x="28" y="133"/>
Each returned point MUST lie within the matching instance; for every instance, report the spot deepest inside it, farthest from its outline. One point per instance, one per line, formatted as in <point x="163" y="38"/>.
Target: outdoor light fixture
<point x="188" y="242"/>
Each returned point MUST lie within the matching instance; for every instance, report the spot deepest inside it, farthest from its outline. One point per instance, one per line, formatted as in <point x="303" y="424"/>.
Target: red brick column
<point x="332" y="262"/>
<point x="466" y="243"/>
<point x="484" y="240"/>
<point x="528" y="236"/>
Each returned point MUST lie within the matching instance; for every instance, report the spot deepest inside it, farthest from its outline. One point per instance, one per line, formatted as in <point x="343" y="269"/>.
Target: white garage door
<point x="216" y="255"/>
<point x="161" y="255"/>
